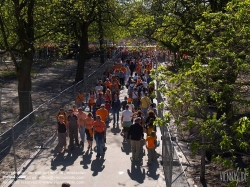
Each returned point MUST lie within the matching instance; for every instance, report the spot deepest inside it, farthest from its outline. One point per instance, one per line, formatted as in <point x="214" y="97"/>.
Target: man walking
<point x="116" y="105"/>
<point x="145" y="103"/>
<point x="73" y="129"/>
<point x="99" y="128"/>
<point x="126" y="120"/>
<point x="135" y="134"/>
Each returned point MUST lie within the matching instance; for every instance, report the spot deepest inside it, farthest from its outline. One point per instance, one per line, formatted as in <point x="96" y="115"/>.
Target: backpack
<point x="130" y="90"/>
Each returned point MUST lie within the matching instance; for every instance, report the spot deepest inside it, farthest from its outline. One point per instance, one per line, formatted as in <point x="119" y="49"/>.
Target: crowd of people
<point x="135" y="112"/>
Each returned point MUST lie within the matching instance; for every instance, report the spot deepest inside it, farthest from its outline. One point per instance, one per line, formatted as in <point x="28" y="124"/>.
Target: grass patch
<point x="8" y="74"/>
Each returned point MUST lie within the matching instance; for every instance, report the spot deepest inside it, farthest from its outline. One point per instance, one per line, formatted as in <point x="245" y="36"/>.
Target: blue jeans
<point x="79" y="105"/>
<point x="145" y="112"/>
<point x="115" y="114"/>
<point x="82" y="133"/>
<point x="99" y="142"/>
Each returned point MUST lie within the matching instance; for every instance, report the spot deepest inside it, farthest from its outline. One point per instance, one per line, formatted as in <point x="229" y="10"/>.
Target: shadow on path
<point x="152" y="170"/>
<point x="116" y="130"/>
<point x="65" y="161"/>
<point x="86" y="159"/>
<point x="136" y="173"/>
<point x="97" y="166"/>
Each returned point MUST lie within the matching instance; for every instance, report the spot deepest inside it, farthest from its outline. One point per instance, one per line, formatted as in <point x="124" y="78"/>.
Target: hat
<point x="79" y="108"/>
<point x="129" y="100"/>
<point x="102" y="105"/>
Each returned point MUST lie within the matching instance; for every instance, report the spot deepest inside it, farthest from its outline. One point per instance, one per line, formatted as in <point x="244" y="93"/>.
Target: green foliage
<point x="218" y="45"/>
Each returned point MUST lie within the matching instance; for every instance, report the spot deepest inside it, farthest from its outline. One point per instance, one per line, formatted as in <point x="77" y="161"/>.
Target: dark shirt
<point x="123" y="104"/>
<point x="72" y="121"/>
<point x="148" y="119"/>
<point x="61" y="127"/>
<point x="135" y="132"/>
<point x="116" y="105"/>
<point x="100" y="101"/>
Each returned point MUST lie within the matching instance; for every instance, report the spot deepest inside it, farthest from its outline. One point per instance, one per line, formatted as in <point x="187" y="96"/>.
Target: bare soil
<point x="48" y="80"/>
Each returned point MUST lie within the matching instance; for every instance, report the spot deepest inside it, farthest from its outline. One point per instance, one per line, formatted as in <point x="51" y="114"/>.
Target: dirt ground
<point x="213" y="170"/>
<point x="49" y="79"/>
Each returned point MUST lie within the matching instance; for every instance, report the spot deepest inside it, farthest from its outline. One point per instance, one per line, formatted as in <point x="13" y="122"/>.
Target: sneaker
<point x="98" y="155"/>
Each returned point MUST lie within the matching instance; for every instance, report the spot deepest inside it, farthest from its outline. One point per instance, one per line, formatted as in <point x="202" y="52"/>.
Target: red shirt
<point x="99" y="126"/>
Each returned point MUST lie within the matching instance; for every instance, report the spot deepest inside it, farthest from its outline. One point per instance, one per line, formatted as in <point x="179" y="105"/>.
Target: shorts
<point x="89" y="133"/>
<point x="127" y="124"/>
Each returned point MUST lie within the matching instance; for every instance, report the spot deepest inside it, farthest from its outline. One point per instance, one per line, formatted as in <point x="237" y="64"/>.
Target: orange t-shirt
<point x="123" y="69"/>
<point x="99" y="126"/>
<point x="150" y="142"/>
<point x="103" y="113"/>
<point x="89" y="122"/>
<point x="79" y="98"/>
<point x="138" y="70"/>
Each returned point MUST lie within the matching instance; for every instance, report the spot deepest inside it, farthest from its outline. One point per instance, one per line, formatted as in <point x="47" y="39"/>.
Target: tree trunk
<point x="101" y="37"/>
<point x="82" y="53"/>
<point x="24" y="86"/>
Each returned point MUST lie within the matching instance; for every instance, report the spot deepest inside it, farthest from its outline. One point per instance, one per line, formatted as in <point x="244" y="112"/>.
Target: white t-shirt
<point x="145" y="84"/>
<point x="131" y="106"/>
<point x="127" y="115"/>
<point x="98" y="89"/>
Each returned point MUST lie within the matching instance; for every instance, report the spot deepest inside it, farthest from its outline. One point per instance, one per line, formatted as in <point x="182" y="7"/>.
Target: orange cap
<point x="129" y="100"/>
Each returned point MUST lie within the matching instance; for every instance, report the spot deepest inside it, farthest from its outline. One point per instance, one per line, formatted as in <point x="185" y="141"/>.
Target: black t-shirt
<point x="61" y="127"/>
<point x="124" y="103"/>
<point x="135" y="132"/>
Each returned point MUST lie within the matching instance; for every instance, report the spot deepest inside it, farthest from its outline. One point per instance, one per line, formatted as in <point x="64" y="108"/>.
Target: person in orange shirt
<point x="138" y="69"/>
<point x="123" y="69"/>
<point x="115" y="86"/>
<point x="99" y="129"/>
<point x="103" y="113"/>
<point x="79" y="99"/>
<point x="108" y="95"/>
<point x="107" y="84"/>
<point x="89" y="123"/>
<point x="150" y="144"/>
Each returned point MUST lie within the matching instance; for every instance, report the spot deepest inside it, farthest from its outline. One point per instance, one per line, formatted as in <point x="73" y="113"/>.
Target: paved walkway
<point x="81" y="167"/>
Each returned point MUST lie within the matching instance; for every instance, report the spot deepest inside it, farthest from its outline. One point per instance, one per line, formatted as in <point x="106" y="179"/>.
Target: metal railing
<point x="174" y="171"/>
<point x="26" y="138"/>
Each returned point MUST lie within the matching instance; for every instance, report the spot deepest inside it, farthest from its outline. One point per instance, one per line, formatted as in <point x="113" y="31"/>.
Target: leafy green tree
<point x="20" y="22"/>
<point x="218" y="44"/>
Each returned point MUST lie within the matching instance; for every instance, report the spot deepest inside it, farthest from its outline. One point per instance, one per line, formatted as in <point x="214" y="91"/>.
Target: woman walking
<point x="62" y="133"/>
<point x="89" y="122"/>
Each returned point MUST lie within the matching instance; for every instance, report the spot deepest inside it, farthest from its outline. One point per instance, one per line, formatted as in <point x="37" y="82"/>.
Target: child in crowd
<point x="150" y="144"/>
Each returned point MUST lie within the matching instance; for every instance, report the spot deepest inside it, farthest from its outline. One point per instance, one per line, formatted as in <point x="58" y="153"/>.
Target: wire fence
<point x="26" y="138"/>
<point x="174" y="171"/>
